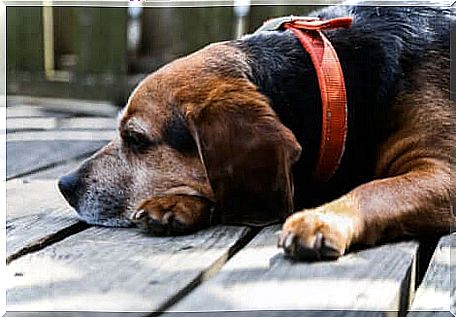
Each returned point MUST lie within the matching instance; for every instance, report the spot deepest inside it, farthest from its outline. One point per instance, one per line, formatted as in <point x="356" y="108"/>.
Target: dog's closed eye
<point x="136" y="140"/>
<point x="135" y="137"/>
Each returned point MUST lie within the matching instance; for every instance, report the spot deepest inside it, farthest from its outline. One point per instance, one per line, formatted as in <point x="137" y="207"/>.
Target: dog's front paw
<point x="318" y="234"/>
<point x="172" y="215"/>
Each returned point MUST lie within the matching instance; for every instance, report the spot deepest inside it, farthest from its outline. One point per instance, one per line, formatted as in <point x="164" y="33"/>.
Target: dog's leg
<point x="412" y="193"/>
<point x="173" y="214"/>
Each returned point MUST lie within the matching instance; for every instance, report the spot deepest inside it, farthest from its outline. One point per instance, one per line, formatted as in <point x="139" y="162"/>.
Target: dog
<point x="233" y="133"/>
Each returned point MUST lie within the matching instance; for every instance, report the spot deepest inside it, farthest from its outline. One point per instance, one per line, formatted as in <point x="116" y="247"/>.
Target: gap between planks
<point x="45" y="241"/>
<point x="209" y="272"/>
<point x="27" y="157"/>
<point x="259" y="278"/>
<point x="52" y="165"/>
<point x="119" y="269"/>
<point x="59" y="140"/>
<point x="437" y="292"/>
<point x="37" y="216"/>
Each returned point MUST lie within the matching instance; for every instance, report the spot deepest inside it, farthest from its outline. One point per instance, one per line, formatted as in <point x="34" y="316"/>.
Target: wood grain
<point x="55" y="172"/>
<point x="28" y="156"/>
<point x="67" y="106"/>
<point x="117" y="269"/>
<point x="259" y="277"/>
<point x="83" y="135"/>
<point x="25" y="111"/>
<point x="52" y="123"/>
<point x="89" y="123"/>
<point x="437" y="290"/>
<point x="19" y="124"/>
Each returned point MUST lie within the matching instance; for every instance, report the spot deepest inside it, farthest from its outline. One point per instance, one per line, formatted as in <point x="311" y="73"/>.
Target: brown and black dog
<point x="217" y="137"/>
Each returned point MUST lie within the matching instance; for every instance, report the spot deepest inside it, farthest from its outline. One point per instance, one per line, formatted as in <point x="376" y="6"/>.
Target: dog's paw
<point x="319" y="234"/>
<point x="172" y="215"/>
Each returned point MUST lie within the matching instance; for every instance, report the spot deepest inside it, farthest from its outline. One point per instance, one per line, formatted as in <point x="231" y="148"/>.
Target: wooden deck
<point x="56" y="263"/>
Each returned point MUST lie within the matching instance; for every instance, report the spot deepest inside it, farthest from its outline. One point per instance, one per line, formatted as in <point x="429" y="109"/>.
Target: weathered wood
<point x="89" y="123"/>
<point x="19" y="124"/>
<point x="259" y="277"/>
<point x="437" y="290"/>
<point x="84" y="135"/>
<point x="50" y="123"/>
<point x="54" y="172"/>
<point x="74" y="314"/>
<point x="117" y="269"/>
<point x="35" y="213"/>
<point x="27" y="156"/>
<point x="69" y="106"/>
<point x="24" y="111"/>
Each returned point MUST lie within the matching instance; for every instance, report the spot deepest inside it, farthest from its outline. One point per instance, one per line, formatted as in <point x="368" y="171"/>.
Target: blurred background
<point x="71" y="68"/>
<point x="101" y="53"/>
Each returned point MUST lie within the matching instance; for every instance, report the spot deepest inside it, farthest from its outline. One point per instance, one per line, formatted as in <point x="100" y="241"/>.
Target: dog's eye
<point x="135" y="140"/>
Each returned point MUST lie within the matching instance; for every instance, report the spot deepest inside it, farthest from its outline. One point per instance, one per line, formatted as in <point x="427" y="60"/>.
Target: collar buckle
<point x="278" y="24"/>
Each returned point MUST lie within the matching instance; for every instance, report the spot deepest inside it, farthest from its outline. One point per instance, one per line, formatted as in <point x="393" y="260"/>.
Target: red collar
<point x="332" y="87"/>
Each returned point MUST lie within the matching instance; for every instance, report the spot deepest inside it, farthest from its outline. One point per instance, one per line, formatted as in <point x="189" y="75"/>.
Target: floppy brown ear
<point x="247" y="153"/>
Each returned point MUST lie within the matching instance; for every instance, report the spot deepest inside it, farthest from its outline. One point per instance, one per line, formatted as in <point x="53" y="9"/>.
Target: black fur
<point x="377" y="54"/>
<point x="176" y="135"/>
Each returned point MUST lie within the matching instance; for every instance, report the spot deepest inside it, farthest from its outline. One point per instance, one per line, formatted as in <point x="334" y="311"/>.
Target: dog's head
<point x="195" y="127"/>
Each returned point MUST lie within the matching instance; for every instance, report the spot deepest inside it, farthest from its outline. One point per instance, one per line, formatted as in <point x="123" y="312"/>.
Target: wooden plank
<point x="88" y="123"/>
<point x="51" y="123"/>
<point x="73" y="314"/>
<point x="35" y="213"/>
<point x="24" y="111"/>
<point x="54" y="172"/>
<point x="19" y="124"/>
<point x="85" y="135"/>
<point x="108" y="269"/>
<point x="437" y="290"/>
<point x="27" y="156"/>
<point x="69" y="106"/>
<point x="259" y="277"/>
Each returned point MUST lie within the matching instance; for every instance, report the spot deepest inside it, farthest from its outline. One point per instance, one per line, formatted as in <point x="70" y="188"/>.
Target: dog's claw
<point x="138" y="214"/>
<point x="289" y="242"/>
<point x="168" y="218"/>
<point x="169" y="224"/>
<point x="294" y="248"/>
<point x="318" y="241"/>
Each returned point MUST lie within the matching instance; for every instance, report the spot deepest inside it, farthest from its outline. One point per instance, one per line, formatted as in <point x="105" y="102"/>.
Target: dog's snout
<point x="68" y="187"/>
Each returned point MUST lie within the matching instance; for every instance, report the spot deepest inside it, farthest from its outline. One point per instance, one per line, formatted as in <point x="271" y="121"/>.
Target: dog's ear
<point x="247" y="153"/>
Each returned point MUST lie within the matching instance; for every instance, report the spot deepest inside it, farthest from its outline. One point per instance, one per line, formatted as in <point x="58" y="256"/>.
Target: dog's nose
<point x="68" y="187"/>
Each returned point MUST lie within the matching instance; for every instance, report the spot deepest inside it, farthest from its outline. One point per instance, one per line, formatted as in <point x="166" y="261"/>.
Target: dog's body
<point x="217" y="134"/>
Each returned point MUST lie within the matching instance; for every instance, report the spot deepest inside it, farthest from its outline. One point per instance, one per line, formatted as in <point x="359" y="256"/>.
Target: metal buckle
<point x="277" y="23"/>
